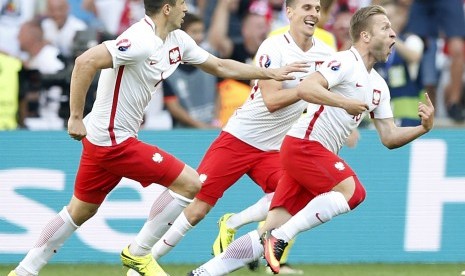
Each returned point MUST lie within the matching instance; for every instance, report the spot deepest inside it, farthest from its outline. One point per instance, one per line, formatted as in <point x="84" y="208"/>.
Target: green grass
<point x="313" y="270"/>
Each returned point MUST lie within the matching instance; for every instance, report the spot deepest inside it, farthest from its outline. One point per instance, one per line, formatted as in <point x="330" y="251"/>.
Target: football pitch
<point x="313" y="270"/>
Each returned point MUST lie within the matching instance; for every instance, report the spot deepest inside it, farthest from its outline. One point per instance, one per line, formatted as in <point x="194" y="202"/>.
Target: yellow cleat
<point x="12" y="273"/>
<point x="225" y="236"/>
<point x="144" y="265"/>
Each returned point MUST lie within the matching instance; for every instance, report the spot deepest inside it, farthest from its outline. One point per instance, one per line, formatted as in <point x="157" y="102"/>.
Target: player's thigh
<point x="227" y="160"/>
<point x="93" y="182"/>
<point x="143" y="162"/>
<point x="313" y="166"/>
<point x="267" y="171"/>
<point x="290" y="195"/>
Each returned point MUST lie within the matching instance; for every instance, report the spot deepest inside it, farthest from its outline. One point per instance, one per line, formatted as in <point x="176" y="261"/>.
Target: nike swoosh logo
<point x="170" y="223"/>
<point x="317" y="215"/>
<point x="358" y="85"/>
<point x="170" y="245"/>
<point x="153" y="62"/>
<point x="273" y="261"/>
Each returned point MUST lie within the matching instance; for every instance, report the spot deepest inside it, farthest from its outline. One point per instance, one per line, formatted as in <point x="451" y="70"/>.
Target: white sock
<point x="239" y="253"/>
<point x="171" y="238"/>
<point x="50" y="240"/>
<point x="165" y="209"/>
<point x="254" y="213"/>
<point x="318" y="211"/>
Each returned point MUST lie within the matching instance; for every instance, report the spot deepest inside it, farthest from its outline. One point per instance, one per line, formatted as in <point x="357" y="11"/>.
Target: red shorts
<point x="309" y="170"/>
<point x="228" y="159"/>
<point x="102" y="168"/>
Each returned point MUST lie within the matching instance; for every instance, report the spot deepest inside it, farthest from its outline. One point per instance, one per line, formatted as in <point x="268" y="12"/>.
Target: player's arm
<point x="231" y="69"/>
<point x="393" y="136"/>
<point x="314" y="89"/>
<point x="85" y="68"/>
<point x="275" y="97"/>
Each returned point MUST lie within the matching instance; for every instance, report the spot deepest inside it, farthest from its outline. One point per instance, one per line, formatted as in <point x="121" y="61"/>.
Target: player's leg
<point x="224" y="163"/>
<point x="323" y="174"/>
<point x="88" y="196"/>
<point x="265" y="172"/>
<point x="149" y="164"/>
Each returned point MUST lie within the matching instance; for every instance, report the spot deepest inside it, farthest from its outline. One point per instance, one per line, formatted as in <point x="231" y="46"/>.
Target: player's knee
<point x="191" y="184"/>
<point x="358" y="196"/>
<point x="196" y="211"/>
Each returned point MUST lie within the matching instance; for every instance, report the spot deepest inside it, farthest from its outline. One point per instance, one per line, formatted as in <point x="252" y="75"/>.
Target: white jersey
<point x="253" y="123"/>
<point x="346" y="75"/>
<point x="141" y="60"/>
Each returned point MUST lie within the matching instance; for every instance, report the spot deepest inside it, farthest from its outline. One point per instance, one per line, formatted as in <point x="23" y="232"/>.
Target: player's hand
<point x="284" y="73"/>
<point x="426" y="113"/>
<point x="354" y="107"/>
<point x="76" y="129"/>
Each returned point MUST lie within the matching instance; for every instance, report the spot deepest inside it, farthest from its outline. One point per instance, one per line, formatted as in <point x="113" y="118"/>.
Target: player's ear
<point x="365" y="36"/>
<point x="166" y="9"/>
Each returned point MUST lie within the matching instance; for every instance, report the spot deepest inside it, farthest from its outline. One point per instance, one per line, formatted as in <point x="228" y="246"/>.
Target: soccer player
<point x="249" y="143"/>
<point x="134" y="66"/>
<point x="317" y="184"/>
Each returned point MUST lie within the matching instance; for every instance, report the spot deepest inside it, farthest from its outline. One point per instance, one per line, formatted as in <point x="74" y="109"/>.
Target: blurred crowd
<point x="40" y="39"/>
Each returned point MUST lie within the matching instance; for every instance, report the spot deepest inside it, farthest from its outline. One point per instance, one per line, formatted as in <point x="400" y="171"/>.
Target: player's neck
<point x="303" y="41"/>
<point x="367" y="57"/>
<point x="161" y="28"/>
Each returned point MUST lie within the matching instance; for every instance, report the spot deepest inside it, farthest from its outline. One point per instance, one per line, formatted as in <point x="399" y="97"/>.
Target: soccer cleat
<point x="144" y="265"/>
<point x="225" y="236"/>
<point x="273" y="249"/>
<point x="12" y="273"/>
<point x="286" y="269"/>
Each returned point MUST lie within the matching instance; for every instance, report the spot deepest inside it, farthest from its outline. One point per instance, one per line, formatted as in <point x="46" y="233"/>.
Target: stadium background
<point x="413" y="212"/>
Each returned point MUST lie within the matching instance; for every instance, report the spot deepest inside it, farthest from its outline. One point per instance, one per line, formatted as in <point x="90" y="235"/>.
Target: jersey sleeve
<point x="130" y="48"/>
<point x="267" y="55"/>
<point x="335" y="70"/>
<point x="193" y="53"/>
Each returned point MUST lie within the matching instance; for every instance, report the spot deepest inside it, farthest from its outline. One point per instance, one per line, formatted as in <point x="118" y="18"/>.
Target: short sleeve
<point x="130" y="48"/>
<point x="267" y="56"/>
<point x="335" y="70"/>
<point x="193" y="53"/>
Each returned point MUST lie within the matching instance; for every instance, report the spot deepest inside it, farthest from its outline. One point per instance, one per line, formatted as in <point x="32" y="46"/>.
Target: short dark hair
<point x="189" y="19"/>
<point x="154" y="6"/>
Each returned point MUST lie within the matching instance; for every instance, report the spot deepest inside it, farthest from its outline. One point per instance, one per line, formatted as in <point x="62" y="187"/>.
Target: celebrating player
<point x="317" y="184"/>
<point x="134" y="66"/>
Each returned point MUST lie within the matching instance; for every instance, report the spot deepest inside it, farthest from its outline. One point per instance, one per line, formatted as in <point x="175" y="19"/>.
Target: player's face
<point x="304" y="15"/>
<point x="383" y="38"/>
<point x="177" y="13"/>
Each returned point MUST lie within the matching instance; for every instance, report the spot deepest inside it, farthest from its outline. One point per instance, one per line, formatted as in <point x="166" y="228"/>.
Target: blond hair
<point x="361" y="20"/>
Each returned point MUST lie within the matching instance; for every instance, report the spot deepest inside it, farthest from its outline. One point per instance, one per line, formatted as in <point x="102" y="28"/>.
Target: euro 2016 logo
<point x="123" y="44"/>
<point x="334" y="65"/>
<point x="264" y="61"/>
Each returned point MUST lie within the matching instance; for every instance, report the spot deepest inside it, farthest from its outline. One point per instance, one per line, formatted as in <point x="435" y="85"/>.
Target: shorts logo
<point x="339" y="165"/>
<point x="174" y="55"/>
<point x="123" y="44"/>
<point x="203" y="178"/>
<point x="157" y="158"/>
<point x="264" y="61"/>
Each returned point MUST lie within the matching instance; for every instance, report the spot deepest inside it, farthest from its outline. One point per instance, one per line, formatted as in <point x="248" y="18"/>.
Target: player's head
<point x="172" y="10"/>
<point x="194" y="27"/>
<point x="371" y="28"/>
<point x="303" y="15"/>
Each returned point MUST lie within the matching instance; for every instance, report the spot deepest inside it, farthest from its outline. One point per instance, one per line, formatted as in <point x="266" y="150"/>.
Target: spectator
<point x="9" y="88"/>
<point x="42" y="57"/>
<point x="190" y="93"/>
<point x="402" y="68"/>
<point x="429" y="19"/>
<point x="115" y="15"/>
<point x="340" y="28"/>
<point x="60" y="26"/>
<point x="12" y="15"/>
<point x="255" y="28"/>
